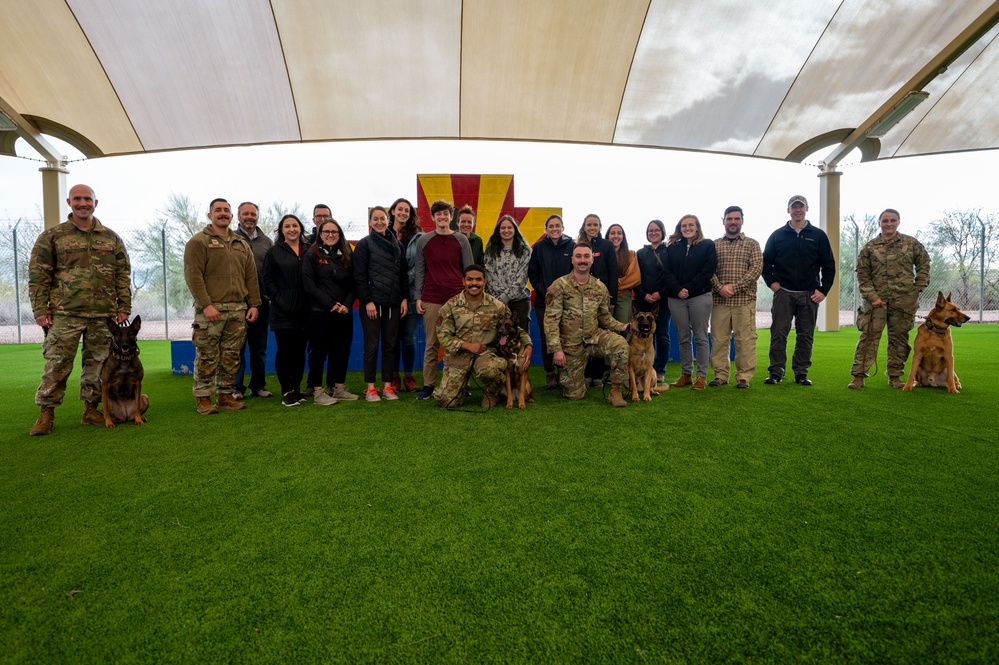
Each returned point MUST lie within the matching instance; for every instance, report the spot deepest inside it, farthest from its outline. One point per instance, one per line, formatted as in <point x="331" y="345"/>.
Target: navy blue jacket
<point x="796" y="259"/>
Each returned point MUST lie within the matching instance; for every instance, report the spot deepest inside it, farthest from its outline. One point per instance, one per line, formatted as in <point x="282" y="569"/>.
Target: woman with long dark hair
<point x="691" y="264"/>
<point x="506" y="259"/>
<point x="650" y="294"/>
<point x="406" y="227"/>
<point x="328" y="278"/>
<point x="629" y="276"/>
<point x="382" y="288"/>
<point x="289" y="306"/>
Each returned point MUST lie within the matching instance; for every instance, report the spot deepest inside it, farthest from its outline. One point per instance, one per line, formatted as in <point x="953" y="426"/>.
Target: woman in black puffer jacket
<point x="328" y="277"/>
<point x="380" y="278"/>
<point x="289" y="306"/>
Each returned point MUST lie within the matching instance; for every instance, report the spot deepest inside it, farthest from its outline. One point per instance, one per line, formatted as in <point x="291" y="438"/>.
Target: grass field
<point x="778" y="524"/>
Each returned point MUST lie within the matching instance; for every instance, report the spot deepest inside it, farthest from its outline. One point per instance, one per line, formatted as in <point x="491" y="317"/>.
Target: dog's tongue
<point x="502" y="340"/>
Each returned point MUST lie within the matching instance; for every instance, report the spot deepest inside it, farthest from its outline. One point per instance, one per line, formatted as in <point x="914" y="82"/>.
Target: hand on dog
<point x="525" y="362"/>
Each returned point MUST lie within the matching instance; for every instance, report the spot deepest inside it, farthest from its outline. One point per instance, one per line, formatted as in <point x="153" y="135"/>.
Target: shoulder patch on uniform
<point x="549" y="298"/>
<point x="440" y="320"/>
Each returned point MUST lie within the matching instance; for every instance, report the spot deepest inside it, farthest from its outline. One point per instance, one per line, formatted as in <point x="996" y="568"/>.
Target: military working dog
<point x="121" y="376"/>
<point x="508" y="347"/>
<point x="642" y="353"/>
<point x="933" y="348"/>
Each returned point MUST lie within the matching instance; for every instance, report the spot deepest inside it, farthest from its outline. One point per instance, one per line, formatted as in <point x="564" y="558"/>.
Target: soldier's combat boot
<point x="43" y="426"/>
<point x="91" y="414"/>
<point x="857" y="383"/>
<point x="615" y="398"/>
<point x="225" y="402"/>
<point x="895" y="382"/>
<point x="205" y="406"/>
<point x="489" y="401"/>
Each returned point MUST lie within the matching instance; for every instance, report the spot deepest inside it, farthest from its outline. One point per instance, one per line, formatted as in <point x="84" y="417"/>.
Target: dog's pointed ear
<point x="112" y="324"/>
<point x="137" y="324"/>
<point x="940" y="299"/>
<point x="655" y="310"/>
<point x="948" y="296"/>
<point x="514" y="317"/>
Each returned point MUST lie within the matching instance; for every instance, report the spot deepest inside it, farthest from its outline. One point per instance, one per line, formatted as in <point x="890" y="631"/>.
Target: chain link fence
<point x="160" y="295"/>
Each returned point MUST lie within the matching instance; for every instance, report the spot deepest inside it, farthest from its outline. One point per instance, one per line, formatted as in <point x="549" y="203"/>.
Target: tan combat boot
<point x="615" y="398"/>
<point x="46" y="419"/>
<point x="205" y="406"/>
<point x="684" y="380"/>
<point x="225" y="402"/>
<point x="489" y="401"/>
<point x="91" y="414"/>
<point x="895" y="382"/>
<point x="857" y="383"/>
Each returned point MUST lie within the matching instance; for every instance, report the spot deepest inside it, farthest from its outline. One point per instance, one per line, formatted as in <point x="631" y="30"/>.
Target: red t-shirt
<point x="443" y="278"/>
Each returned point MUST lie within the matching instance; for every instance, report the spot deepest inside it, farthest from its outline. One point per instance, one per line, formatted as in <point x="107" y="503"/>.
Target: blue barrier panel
<point x="182" y="352"/>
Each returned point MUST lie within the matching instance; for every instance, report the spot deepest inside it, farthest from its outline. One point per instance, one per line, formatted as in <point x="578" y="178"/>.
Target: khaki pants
<point x="740" y="321"/>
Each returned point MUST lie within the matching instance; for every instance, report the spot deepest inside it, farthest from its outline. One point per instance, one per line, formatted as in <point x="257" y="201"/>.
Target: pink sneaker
<point x="388" y="392"/>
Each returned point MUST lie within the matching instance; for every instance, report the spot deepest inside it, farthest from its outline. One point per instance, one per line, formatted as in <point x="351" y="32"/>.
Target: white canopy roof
<point x="767" y="78"/>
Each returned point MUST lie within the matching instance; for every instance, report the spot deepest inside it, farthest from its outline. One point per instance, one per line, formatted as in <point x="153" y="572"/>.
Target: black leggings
<point x="330" y="336"/>
<point x="289" y="361"/>
<point x="386" y="328"/>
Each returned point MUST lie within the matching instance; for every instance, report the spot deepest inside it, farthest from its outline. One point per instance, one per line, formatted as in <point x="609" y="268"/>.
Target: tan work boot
<point x="46" y="419"/>
<point x="489" y="401"/>
<point x="91" y="414"/>
<point x="205" y="406"/>
<point x="857" y="383"/>
<point x="615" y="398"/>
<point x="684" y="380"/>
<point x="699" y="384"/>
<point x="895" y="382"/>
<point x="225" y="402"/>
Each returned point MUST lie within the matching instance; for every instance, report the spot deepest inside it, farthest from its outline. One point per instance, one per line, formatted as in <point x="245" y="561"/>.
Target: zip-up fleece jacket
<point x="796" y="259"/>
<point x="219" y="270"/>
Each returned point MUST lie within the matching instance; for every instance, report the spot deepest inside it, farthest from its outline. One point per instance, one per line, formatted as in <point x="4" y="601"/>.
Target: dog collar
<point x="122" y="356"/>
<point x="937" y="330"/>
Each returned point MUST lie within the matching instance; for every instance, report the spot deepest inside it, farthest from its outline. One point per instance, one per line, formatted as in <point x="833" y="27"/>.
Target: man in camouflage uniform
<point x="466" y="327"/>
<point x="78" y="278"/>
<point x="885" y="268"/>
<point x="219" y="270"/>
<point x="579" y="324"/>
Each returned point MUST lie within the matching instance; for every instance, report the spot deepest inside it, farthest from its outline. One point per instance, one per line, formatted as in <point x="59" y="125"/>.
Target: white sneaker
<point x="323" y="399"/>
<point x="388" y="392"/>
<point x="371" y="395"/>
<point x="341" y="392"/>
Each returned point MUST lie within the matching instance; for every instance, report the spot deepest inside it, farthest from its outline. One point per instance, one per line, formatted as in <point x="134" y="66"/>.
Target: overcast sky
<point x="629" y="186"/>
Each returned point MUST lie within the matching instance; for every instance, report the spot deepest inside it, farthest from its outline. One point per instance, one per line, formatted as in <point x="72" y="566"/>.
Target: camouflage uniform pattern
<point x="461" y="321"/>
<point x="81" y="278"/>
<point x="219" y="271"/>
<point x="579" y="323"/>
<point x="895" y="271"/>
<point x="217" y="346"/>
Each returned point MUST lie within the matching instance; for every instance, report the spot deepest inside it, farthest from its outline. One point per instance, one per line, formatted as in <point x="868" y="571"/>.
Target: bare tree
<point x="956" y="238"/>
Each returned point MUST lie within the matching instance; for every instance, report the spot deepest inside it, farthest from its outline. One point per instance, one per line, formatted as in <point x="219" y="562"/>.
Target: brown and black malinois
<point x="121" y="376"/>
<point x="642" y="354"/>
<point x="508" y="347"/>
<point x="933" y="350"/>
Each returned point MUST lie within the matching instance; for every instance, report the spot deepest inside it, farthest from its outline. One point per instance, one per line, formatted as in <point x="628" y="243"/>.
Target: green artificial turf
<point x="776" y="524"/>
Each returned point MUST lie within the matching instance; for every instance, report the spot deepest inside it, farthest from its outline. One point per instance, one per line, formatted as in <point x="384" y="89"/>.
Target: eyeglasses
<point x="329" y="233"/>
